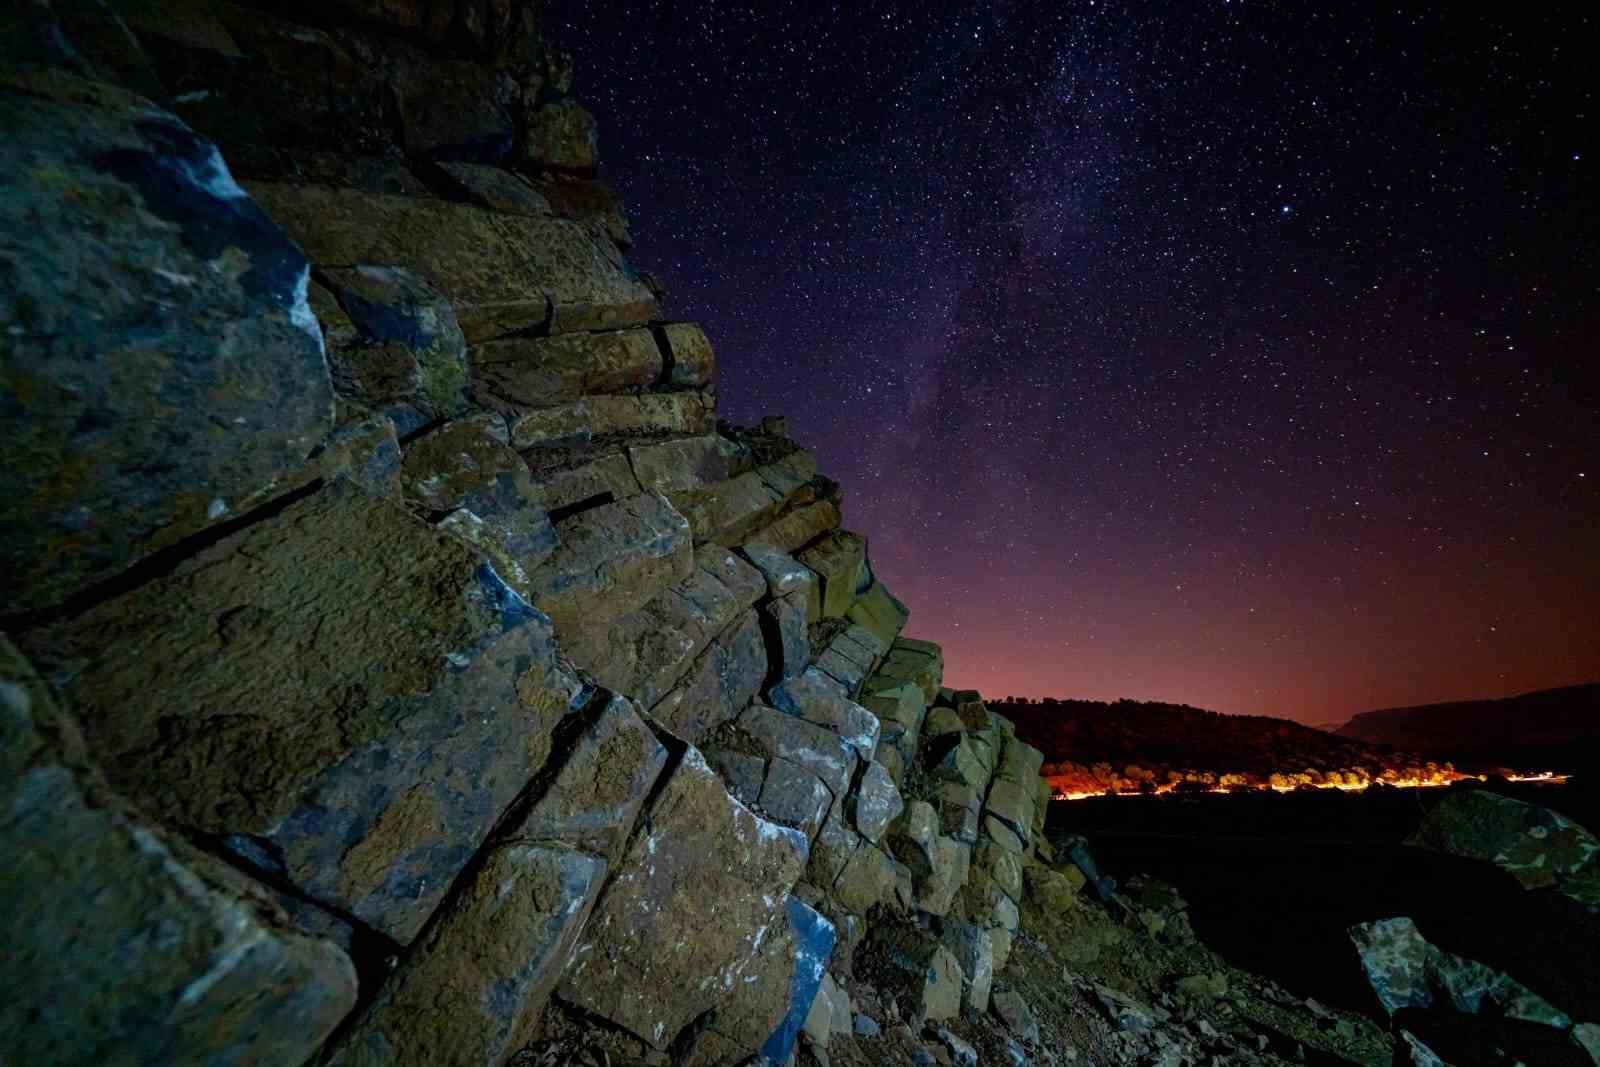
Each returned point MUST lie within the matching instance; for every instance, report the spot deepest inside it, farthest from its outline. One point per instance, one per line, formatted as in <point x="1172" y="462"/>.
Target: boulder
<point x="140" y="949"/>
<point x="816" y="748"/>
<point x="941" y="720"/>
<point x="611" y="560"/>
<point x="1020" y="762"/>
<point x="876" y="802"/>
<point x="365" y="771"/>
<point x="1405" y="970"/>
<point x="693" y="363"/>
<point x="1001" y="833"/>
<point x="879" y="612"/>
<point x="791" y="476"/>
<point x="793" y="796"/>
<point x="838" y="559"/>
<point x="684" y="917"/>
<point x="501" y="273"/>
<point x="720" y="683"/>
<point x="1535" y="845"/>
<point x="473" y="986"/>
<point x="816" y="698"/>
<point x="814" y="939"/>
<point x="787" y="633"/>
<point x="219" y="386"/>
<point x="393" y="343"/>
<point x="593" y="203"/>
<point x="522" y="373"/>
<point x="451" y="109"/>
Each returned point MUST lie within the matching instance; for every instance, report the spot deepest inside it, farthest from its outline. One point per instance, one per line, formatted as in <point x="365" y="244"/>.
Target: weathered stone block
<point x="593" y="800"/>
<point x="361" y="768"/>
<point x="452" y="109"/>
<point x="903" y="705"/>
<point x="645" y="653"/>
<point x="835" y="844"/>
<point x="138" y="950"/>
<point x="521" y="373"/>
<point x="816" y="698"/>
<point x="502" y="273"/>
<point x="868" y="879"/>
<point x="790" y="476"/>
<point x="1003" y="866"/>
<point x="463" y="465"/>
<point x="813" y="747"/>
<point x="684" y="918"/>
<point x="612" y="559"/>
<point x="1020" y="762"/>
<point x="494" y="188"/>
<point x="741" y="772"/>
<point x="393" y="342"/>
<point x="951" y="758"/>
<point x="652" y="413"/>
<point x="912" y="837"/>
<point x="1001" y="834"/>
<point x="687" y="463"/>
<point x="952" y="862"/>
<point x="958" y="811"/>
<point x="793" y="796"/>
<point x="875" y="803"/>
<point x="878" y="611"/>
<point x="581" y="477"/>
<point x="786" y="624"/>
<point x="920" y="662"/>
<point x="473" y="986"/>
<point x="722" y="681"/>
<point x="837" y="558"/>
<point x="919" y="972"/>
<point x="784" y="573"/>
<point x="798" y="526"/>
<point x="1012" y="804"/>
<point x="941" y="721"/>
<point x="728" y="512"/>
<point x="561" y="135"/>
<point x="693" y="363"/>
<point x="366" y="452"/>
<point x="969" y="943"/>
<point x="116" y="225"/>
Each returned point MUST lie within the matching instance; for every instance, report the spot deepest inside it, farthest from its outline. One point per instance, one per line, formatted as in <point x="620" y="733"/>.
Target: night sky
<point x="1234" y="354"/>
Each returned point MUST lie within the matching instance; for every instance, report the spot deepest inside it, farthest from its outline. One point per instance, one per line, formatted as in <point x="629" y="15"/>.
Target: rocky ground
<point x="1080" y="987"/>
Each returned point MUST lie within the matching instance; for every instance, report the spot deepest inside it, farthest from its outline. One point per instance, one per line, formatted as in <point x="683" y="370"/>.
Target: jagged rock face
<point x="139" y="944"/>
<point x="425" y="547"/>
<point x="156" y="377"/>
<point x="683" y="921"/>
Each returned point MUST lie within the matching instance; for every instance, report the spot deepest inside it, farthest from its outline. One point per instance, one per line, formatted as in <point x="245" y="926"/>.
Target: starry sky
<point x="1234" y="354"/>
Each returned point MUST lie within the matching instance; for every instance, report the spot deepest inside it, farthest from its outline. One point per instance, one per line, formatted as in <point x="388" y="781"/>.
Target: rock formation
<point x="397" y="649"/>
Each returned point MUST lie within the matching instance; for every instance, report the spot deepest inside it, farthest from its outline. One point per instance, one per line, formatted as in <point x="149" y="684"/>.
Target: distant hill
<point x="1547" y="729"/>
<point x="1121" y="744"/>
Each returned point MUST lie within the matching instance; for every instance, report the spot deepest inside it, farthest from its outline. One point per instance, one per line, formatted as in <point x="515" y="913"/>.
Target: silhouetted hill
<point x="1091" y="745"/>
<point x="1549" y="728"/>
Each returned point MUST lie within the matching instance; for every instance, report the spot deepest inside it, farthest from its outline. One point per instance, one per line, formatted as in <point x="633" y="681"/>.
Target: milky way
<point x="1234" y="354"/>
